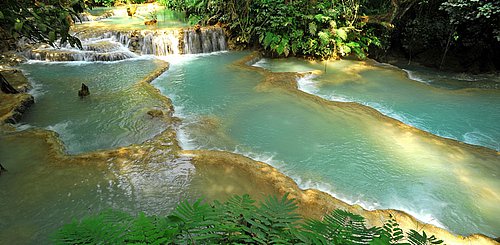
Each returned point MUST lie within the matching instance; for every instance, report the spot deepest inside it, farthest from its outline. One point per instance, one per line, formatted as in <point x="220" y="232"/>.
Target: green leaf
<point x="312" y="28"/>
<point x="18" y="26"/>
<point x="1" y="15"/>
<point x="52" y="36"/>
<point x="342" y="33"/>
<point x="324" y="37"/>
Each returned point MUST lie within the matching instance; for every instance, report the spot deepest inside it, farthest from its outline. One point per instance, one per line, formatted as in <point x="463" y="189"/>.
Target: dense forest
<point x="456" y="34"/>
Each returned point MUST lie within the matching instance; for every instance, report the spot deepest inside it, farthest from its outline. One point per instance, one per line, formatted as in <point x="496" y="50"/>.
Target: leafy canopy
<point x="40" y="21"/>
<point x="327" y="28"/>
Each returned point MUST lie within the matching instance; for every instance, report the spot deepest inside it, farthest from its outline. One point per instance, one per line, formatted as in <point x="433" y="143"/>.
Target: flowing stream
<point x="114" y="115"/>
<point x="347" y="150"/>
<point x="440" y="106"/>
<point x="357" y="156"/>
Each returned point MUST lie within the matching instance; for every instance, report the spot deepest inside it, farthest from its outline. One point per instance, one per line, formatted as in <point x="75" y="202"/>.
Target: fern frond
<point x="415" y="238"/>
<point x="107" y="227"/>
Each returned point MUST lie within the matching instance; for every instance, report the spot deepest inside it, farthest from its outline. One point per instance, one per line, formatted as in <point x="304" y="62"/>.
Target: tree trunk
<point x="447" y="47"/>
<point x="6" y="87"/>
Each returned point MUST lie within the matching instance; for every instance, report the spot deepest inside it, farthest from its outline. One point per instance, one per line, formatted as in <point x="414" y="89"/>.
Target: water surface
<point x="43" y="190"/>
<point x="356" y="155"/>
<point x="443" y="106"/>
<point x="115" y="113"/>
<point x="166" y="19"/>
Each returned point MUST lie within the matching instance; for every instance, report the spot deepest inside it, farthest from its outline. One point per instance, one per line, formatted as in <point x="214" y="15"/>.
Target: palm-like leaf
<point x="416" y="238"/>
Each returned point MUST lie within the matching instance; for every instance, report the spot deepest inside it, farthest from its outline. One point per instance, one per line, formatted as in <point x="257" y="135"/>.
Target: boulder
<point x="84" y="91"/>
<point x="131" y="10"/>
<point x="155" y="113"/>
<point x="150" y="22"/>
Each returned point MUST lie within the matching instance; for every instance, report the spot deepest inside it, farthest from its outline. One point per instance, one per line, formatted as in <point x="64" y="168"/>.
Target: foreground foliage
<point x="40" y="21"/>
<point x="236" y="221"/>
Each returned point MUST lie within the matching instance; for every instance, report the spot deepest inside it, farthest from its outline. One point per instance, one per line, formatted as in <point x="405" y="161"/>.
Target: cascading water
<point x="167" y="42"/>
<point x="204" y="41"/>
<point x="160" y="43"/>
<point x="92" y="50"/>
<point x="120" y="45"/>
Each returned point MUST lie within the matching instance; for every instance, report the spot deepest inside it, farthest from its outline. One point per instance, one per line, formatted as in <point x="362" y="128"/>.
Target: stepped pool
<point x="348" y="150"/>
<point x="120" y="157"/>
<point x="442" y="106"/>
<point x="120" y="20"/>
<point x="114" y="115"/>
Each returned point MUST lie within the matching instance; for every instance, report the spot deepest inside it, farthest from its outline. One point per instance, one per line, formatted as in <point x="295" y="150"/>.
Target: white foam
<point x="62" y="130"/>
<point x="262" y="63"/>
<point x="82" y="62"/>
<point x="186" y="142"/>
<point x="37" y="90"/>
<point x="476" y="137"/>
<point x="308" y="84"/>
<point x="23" y="126"/>
<point x="413" y="76"/>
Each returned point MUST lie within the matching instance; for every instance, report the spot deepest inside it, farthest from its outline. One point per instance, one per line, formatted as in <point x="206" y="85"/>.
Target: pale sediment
<point x="311" y="203"/>
<point x="287" y="81"/>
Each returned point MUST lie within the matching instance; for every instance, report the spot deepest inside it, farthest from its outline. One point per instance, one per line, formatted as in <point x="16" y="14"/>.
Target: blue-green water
<point x="115" y="113"/>
<point x="41" y="192"/>
<point x="357" y="156"/>
<point x="166" y="19"/>
<point x="471" y="115"/>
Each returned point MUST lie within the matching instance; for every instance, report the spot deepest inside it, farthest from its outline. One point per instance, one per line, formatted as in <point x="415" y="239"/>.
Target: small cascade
<point x="93" y="50"/>
<point x="160" y="43"/>
<point x="204" y="41"/>
<point x="119" y="45"/>
<point x="87" y="17"/>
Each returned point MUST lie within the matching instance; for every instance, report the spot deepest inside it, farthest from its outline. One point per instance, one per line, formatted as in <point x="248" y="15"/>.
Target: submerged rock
<point x="2" y="169"/>
<point x="84" y="91"/>
<point x="155" y="113"/>
<point x="150" y="22"/>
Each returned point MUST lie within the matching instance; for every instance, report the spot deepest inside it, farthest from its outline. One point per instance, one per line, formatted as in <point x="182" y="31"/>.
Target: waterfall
<point x="119" y="45"/>
<point x="93" y="50"/>
<point x="204" y="40"/>
<point x="168" y="41"/>
<point x="161" y="43"/>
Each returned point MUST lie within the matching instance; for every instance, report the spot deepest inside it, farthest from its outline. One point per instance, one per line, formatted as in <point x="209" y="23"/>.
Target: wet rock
<point x="150" y="22"/>
<point x="197" y="28"/>
<point x="17" y="113"/>
<point x="19" y="104"/>
<point x="131" y="10"/>
<point x="6" y="87"/>
<point x="84" y="91"/>
<point x="155" y="113"/>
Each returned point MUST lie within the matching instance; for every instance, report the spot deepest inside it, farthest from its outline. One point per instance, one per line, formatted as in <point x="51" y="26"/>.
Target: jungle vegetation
<point x="456" y="33"/>
<point x="429" y="30"/>
<point x="239" y="220"/>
